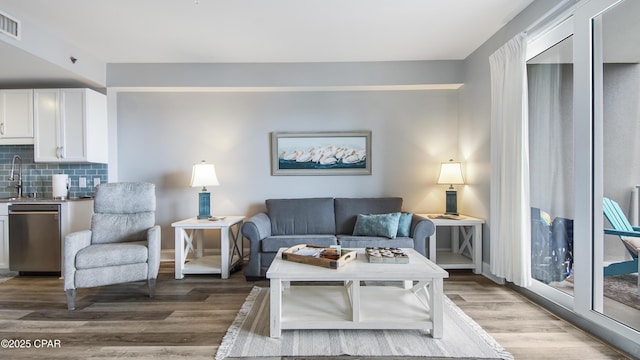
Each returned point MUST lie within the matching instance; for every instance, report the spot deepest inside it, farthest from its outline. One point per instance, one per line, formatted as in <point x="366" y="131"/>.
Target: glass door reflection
<point x="617" y="91"/>
<point x="550" y="92"/>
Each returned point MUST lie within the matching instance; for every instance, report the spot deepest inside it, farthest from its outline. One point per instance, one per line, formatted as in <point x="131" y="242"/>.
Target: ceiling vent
<point x="9" y="26"/>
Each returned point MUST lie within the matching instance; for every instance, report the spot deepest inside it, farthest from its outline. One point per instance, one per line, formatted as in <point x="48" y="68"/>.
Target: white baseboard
<point x="486" y="272"/>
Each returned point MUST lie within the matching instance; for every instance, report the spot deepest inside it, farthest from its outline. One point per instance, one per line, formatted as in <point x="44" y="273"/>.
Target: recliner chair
<point x="123" y="244"/>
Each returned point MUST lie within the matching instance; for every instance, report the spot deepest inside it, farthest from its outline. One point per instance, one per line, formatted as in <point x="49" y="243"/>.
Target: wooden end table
<point x="231" y="252"/>
<point x="471" y="230"/>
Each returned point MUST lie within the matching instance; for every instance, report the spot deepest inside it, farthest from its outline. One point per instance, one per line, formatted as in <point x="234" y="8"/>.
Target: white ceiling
<point x="242" y="31"/>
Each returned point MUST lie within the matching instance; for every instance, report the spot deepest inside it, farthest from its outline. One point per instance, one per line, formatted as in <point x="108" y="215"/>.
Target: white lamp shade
<point x="451" y="174"/>
<point x="204" y="174"/>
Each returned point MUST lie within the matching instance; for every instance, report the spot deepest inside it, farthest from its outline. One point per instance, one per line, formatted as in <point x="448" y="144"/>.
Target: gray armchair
<point x="123" y="244"/>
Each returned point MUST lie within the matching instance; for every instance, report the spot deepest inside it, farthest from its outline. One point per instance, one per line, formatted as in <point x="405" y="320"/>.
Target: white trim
<point x="552" y="19"/>
<point x="539" y="44"/>
<point x="224" y="89"/>
<point x="486" y="272"/>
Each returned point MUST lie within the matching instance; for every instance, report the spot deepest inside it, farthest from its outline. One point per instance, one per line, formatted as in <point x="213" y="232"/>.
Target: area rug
<point x="620" y="288"/>
<point x="623" y="289"/>
<point x="248" y="337"/>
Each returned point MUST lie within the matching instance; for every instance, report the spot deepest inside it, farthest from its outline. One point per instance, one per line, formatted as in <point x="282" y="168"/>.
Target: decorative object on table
<point x="204" y="175"/>
<point x="321" y="153"/>
<point x="217" y="218"/>
<point x="451" y="174"/>
<point x="248" y="337"/>
<point x="60" y="185"/>
<point x="328" y="257"/>
<point x="386" y="255"/>
<point x="444" y="217"/>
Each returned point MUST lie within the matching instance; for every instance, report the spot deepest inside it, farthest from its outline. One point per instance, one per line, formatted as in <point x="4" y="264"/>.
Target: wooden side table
<point x="230" y="251"/>
<point x="471" y="230"/>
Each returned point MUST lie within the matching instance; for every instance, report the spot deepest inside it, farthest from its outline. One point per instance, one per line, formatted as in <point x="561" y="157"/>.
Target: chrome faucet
<point x="18" y="186"/>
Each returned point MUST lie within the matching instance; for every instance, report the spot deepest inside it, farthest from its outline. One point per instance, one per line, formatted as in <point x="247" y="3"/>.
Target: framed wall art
<point x="321" y="153"/>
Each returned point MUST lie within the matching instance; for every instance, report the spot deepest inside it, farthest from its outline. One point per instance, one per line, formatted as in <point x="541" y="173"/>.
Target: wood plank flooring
<point x="188" y="318"/>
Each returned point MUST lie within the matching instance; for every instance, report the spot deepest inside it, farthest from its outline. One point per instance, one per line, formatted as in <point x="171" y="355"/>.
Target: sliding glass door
<point x="550" y="74"/>
<point x="584" y="134"/>
<point x="616" y="74"/>
<point x="550" y="88"/>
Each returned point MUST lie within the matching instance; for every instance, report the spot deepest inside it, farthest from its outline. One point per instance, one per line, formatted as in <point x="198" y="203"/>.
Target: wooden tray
<point x="397" y="258"/>
<point x="346" y="256"/>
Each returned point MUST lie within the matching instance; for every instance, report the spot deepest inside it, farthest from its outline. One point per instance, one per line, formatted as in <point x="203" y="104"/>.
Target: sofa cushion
<point x="377" y="225"/>
<point x="352" y="242"/>
<point x="273" y="243"/>
<point x="404" y="224"/>
<point x="632" y="243"/>
<point x="113" y="228"/>
<point x="347" y="210"/>
<point x="141" y="198"/>
<point x="100" y="255"/>
<point x="301" y="216"/>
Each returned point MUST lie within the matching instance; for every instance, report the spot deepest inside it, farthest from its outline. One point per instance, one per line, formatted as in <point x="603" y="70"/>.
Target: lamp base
<point x="204" y="205"/>
<point x="451" y="203"/>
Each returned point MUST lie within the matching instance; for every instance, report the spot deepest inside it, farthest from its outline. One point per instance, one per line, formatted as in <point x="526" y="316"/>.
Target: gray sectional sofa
<point x="329" y="221"/>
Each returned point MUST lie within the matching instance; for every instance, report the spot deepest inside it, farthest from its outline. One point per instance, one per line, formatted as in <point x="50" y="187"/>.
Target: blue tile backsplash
<point x="36" y="177"/>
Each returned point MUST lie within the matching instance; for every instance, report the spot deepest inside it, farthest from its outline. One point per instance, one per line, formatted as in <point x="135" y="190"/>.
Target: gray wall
<point x="162" y="134"/>
<point x="621" y="147"/>
<point x="621" y="132"/>
<point x="411" y="136"/>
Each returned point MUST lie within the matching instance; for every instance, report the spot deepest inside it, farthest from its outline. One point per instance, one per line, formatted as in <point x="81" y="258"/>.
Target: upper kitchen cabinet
<point x="70" y="125"/>
<point x="16" y="117"/>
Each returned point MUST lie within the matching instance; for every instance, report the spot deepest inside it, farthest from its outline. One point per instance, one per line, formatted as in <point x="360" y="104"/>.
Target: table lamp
<point x="451" y="173"/>
<point x="204" y="175"/>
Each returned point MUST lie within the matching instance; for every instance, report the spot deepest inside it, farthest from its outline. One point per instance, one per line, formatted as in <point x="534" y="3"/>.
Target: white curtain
<point x="551" y="138"/>
<point x="510" y="210"/>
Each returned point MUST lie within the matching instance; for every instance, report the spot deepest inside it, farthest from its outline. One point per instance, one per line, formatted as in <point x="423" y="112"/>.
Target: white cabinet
<point x="16" y="117"/>
<point x="70" y="125"/>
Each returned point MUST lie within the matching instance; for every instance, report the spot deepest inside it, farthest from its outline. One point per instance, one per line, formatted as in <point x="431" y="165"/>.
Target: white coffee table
<point x="342" y="303"/>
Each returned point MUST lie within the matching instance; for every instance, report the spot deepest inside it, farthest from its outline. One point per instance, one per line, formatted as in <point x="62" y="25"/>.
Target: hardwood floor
<point x="188" y="318"/>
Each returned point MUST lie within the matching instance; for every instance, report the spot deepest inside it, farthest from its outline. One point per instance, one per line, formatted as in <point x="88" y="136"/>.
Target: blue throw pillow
<point x="377" y="225"/>
<point x="404" y="224"/>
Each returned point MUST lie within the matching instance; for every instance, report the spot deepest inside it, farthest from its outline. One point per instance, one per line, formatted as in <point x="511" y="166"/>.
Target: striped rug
<point x="248" y="337"/>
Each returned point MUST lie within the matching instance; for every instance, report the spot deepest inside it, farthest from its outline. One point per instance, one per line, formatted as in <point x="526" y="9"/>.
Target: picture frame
<point x="321" y="153"/>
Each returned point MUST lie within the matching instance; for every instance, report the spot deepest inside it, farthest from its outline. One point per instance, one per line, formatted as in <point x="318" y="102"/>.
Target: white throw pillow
<point x="632" y="243"/>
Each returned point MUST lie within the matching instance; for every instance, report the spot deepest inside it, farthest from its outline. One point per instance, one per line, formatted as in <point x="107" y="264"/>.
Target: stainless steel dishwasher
<point x="34" y="238"/>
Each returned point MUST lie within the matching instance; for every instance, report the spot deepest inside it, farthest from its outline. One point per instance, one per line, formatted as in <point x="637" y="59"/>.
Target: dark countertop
<point x="40" y="200"/>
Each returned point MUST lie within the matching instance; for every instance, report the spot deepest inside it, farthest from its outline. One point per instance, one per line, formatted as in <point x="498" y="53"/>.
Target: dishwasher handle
<point x="34" y="212"/>
<point x="33" y="208"/>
